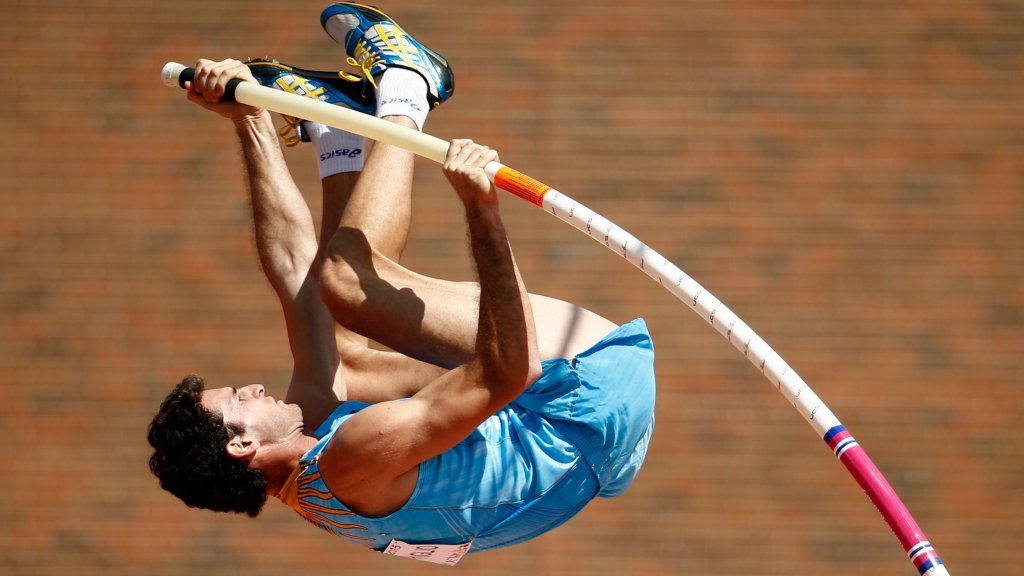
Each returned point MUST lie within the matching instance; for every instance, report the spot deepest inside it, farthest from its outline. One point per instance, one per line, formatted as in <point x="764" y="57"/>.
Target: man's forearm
<point x="285" y="235"/>
<point x="506" y="342"/>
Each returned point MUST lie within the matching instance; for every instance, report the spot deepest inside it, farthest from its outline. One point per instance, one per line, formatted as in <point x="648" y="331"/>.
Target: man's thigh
<point x="565" y="329"/>
<point x="435" y="320"/>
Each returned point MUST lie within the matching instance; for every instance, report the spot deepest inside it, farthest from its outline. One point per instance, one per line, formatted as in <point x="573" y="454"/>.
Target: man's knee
<point x="339" y="279"/>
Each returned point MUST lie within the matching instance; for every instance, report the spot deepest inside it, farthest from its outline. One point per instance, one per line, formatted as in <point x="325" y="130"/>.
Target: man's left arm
<point x="370" y="460"/>
<point x="287" y="247"/>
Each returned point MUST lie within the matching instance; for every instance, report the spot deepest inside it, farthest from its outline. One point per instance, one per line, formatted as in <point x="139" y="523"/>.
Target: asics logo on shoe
<point x="391" y="38"/>
<point x="300" y="86"/>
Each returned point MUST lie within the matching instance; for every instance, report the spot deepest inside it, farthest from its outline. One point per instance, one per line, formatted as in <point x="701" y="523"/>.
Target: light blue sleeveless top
<point x="524" y="471"/>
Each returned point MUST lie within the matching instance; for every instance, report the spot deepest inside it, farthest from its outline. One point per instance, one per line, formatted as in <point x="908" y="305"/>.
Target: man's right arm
<point x="506" y="340"/>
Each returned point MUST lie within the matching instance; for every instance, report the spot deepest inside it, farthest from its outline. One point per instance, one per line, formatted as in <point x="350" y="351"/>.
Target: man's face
<point x="264" y="418"/>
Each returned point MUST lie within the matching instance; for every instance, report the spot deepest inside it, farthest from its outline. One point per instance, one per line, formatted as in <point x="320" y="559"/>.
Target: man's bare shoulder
<point x="359" y="463"/>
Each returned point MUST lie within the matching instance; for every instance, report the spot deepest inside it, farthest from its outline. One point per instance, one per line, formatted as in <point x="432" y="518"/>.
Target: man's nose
<point x="255" y="390"/>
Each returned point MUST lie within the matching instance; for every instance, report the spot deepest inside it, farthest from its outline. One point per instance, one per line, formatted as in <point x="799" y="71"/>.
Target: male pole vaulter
<point x="499" y="414"/>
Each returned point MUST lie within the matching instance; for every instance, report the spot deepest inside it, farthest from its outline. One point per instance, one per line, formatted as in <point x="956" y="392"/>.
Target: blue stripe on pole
<point x="833" y="431"/>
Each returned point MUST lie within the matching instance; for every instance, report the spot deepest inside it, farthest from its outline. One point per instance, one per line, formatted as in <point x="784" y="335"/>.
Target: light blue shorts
<point x="602" y="401"/>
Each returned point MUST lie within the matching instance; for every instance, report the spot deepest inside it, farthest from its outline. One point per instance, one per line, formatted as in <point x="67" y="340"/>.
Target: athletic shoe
<point x="340" y="88"/>
<point x="374" y="42"/>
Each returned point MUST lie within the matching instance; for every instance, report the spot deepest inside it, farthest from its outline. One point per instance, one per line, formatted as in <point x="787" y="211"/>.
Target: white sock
<point x="336" y="150"/>
<point x="402" y="92"/>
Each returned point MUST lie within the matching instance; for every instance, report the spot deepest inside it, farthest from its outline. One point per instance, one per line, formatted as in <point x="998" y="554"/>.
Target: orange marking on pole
<point x="521" y="185"/>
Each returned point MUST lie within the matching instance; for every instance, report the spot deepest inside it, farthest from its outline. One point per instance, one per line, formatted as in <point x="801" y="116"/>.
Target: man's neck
<point x="282" y="459"/>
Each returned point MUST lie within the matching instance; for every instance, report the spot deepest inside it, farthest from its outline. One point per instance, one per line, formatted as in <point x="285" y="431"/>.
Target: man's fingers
<point x="464" y="168"/>
<point x="202" y="78"/>
<point x="227" y="71"/>
<point x="468" y="154"/>
<point x="210" y="84"/>
<point x="211" y="77"/>
<point x="484" y="156"/>
<point x="453" y="151"/>
<point x="475" y="160"/>
<point x="465" y="149"/>
<point x="216" y="81"/>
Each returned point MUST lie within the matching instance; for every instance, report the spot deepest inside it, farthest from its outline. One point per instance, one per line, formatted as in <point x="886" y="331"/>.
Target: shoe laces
<point x="290" y="131"/>
<point x="365" y="59"/>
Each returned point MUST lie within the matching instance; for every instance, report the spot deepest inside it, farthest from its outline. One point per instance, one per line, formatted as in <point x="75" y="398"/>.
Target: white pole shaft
<point x="701" y="301"/>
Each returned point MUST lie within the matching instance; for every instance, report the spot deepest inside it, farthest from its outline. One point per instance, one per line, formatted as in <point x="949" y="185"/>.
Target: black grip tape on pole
<point x="189" y="75"/>
<point x="229" y="90"/>
<point x="186" y="75"/>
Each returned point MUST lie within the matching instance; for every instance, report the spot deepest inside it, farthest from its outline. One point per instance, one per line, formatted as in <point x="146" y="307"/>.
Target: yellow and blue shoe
<point x="340" y="88"/>
<point x="374" y="42"/>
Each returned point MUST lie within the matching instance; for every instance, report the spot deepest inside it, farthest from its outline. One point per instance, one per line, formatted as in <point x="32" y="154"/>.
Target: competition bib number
<point x="446" y="554"/>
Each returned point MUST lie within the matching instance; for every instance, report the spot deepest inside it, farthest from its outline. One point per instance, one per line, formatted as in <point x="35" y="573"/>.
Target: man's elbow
<point x="287" y="270"/>
<point x="534" y="370"/>
<point x="513" y="377"/>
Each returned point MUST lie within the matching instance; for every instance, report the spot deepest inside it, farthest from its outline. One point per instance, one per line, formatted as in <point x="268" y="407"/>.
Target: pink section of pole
<point x="881" y="493"/>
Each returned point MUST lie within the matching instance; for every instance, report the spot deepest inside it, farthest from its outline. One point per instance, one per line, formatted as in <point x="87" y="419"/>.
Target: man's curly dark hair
<point x="191" y="458"/>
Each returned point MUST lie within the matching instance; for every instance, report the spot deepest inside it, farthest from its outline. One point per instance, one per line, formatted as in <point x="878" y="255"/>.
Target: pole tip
<point x="170" y="73"/>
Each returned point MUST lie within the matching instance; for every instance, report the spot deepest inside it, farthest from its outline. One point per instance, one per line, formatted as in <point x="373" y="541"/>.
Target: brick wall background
<point x="847" y="177"/>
